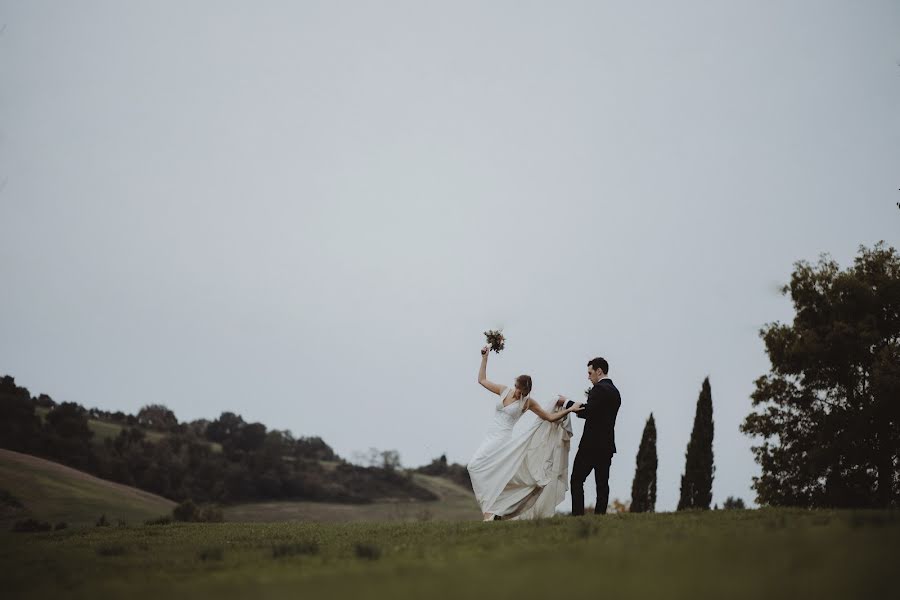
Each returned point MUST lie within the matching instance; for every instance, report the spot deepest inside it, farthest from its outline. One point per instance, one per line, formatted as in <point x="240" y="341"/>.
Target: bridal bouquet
<point x="495" y="340"/>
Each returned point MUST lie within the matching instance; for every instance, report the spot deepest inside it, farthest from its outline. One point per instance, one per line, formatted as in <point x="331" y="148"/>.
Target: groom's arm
<point x="591" y="404"/>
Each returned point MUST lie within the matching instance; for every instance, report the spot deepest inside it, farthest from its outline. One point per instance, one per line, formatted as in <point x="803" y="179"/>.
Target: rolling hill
<point x="53" y="492"/>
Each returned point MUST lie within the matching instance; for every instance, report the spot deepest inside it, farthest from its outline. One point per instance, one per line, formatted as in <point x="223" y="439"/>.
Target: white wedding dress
<point x="522" y="476"/>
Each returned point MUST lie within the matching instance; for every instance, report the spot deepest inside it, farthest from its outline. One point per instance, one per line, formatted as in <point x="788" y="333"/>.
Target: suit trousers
<point x="585" y="462"/>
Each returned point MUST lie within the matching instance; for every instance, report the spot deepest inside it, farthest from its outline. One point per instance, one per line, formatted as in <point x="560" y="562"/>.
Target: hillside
<point x="225" y="460"/>
<point x="53" y="492"/>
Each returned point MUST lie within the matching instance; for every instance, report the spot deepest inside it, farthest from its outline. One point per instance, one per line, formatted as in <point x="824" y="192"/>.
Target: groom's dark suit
<point x="598" y="444"/>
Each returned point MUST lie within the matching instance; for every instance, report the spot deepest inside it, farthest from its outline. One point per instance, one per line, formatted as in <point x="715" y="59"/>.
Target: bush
<point x="186" y="511"/>
<point x="211" y="514"/>
<point x="163" y="520"/>
<point x="310" y="548"/>
<point x="102" y="522"/>
<point x="732" y="503"/>
<point x="367" y="551"/>
<point x="60" y="525"/>
<point x="30" y="525"/>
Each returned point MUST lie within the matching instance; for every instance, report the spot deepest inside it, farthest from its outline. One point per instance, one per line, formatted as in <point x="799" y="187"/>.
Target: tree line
<point x="225" y="460"/>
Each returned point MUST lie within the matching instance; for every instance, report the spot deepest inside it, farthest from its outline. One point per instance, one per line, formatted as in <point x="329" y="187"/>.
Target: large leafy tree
<point x="828" y="412"/>
<point x="696" y="483"/>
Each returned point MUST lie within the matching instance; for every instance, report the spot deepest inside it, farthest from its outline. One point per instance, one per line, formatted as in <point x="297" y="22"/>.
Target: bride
<point x="523" y="476"/>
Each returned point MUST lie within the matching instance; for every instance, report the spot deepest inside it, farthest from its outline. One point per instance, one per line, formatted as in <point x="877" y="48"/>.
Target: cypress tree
<point x="643" y="489"/>
<point x="696" y="483"/>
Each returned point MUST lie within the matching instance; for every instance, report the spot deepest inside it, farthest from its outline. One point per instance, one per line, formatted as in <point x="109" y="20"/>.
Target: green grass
<point x="768" y="554"/>
<point x="53" y="492"/>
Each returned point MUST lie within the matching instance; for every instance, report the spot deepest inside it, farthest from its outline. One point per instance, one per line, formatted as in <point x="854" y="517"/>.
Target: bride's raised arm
<point x="534" y="407"/>
<point x="482" y="373"/>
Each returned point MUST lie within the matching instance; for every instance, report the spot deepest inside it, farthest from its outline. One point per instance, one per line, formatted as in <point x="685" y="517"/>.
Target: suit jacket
<point x="599" y="413"/>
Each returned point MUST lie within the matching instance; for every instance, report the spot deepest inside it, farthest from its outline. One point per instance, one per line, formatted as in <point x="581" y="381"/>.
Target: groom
<point x="598" y="442"/>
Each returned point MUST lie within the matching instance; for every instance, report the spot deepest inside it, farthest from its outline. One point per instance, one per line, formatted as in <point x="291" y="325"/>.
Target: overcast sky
<point x="308" y="212"/>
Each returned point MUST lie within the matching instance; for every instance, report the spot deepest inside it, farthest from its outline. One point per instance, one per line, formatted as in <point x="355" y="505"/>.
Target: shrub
<point x="186" y="511"/>
<point x="163" y="520"/>
<point x="310" y="548"/>
<point x="367" y="551"/>
<point x="60" y="525"/>
<point x="30" y="525"/>
<point x="732" y="503"/>
<point x="102" y="522"/>
<point x="211" y="514"/>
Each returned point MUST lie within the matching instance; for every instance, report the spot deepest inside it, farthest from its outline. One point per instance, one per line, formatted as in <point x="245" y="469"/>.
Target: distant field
<point x="53" y="492"/>
<point x="455" y="504"/>
<point x="760" y="554"/>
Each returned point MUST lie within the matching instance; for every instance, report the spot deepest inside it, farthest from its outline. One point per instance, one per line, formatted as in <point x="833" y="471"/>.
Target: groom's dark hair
<point x="599" y="364"/>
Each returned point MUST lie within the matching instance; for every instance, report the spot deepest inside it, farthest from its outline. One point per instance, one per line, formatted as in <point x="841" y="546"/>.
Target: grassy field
<point x="424" y="550"/>
<point x="53" y="492"/>
<point x="767" y="553"/>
